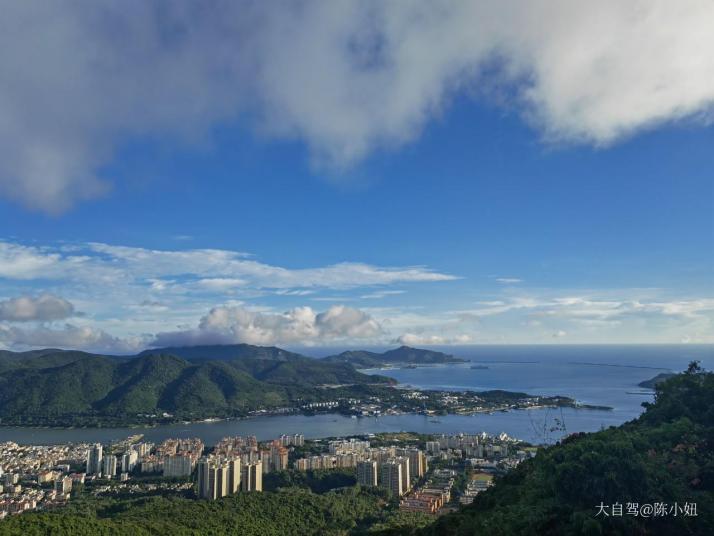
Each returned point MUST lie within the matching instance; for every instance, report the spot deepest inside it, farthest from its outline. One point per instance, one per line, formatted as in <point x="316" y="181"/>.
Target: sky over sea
<point x="357" y="174"/>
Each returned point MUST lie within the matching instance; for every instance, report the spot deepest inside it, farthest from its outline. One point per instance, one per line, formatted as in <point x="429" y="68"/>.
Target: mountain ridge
<point x="402" y="355"/>
<point x="66" y="383"/>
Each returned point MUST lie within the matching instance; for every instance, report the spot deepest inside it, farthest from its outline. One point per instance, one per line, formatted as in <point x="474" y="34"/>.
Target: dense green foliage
<point x="58" y="387"/>
<point x="289" y="512"/>
<point x="317" y="481"/>
<point x="403" y="354"/>
<point x="49" y="357"/>
<point x="652" y="382"/>
<point x="665" y="456"/>
<point x="227" y="352"/>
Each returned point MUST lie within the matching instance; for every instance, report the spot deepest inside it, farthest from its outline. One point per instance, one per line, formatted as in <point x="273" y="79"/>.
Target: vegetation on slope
<point x="291" y="511"/>
<point x="666" y="456"/>
<point x="650" y="384"/>
<point x="403" y="354"/>
<point x="57" y="387"/>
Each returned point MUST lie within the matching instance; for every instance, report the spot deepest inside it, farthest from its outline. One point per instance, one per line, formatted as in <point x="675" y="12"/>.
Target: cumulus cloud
<point x="69" y="337"/>
<point x="344" y="77"/>
<point x="42" y="308"/>
<point x="226" y="325"/>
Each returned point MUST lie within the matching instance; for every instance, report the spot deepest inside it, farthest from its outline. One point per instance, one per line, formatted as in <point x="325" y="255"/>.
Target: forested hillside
<point x="664" y="459"/>
<point x="57" y="387"/>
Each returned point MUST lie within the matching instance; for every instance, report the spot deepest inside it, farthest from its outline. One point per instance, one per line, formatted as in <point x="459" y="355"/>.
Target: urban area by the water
<point x="428" y="474"/>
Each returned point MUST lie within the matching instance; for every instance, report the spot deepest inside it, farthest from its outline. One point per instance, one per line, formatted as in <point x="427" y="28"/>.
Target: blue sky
<point x="469" y="222"/>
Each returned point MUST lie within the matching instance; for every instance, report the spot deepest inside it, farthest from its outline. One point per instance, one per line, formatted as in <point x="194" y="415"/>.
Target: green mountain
<point x="39" y="358"/>
<point x="226" y="352"/>
<point x="665" y="457"/>
<point x="663" y="460"/>
<point x="55" y="386"/>
<point x="274" y="365"/>
<point x="403" y="354"/>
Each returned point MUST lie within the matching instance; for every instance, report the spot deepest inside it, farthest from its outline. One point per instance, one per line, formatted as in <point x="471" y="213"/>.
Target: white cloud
<point x="591" y="308"/>
<point x="207" y="269"/>
<point x="610" y="316"/>
<point x="44" y="307"/>
<point x="381" y="294"/>
<point x="414" y="339"/>
<point x="221" y="284"/>
<point x="225" y="325"/>
<point x="344" y="77"/>
<point x="21" y="262"/>
<point x="509" y="280"/>
<point x="70" y="337"/>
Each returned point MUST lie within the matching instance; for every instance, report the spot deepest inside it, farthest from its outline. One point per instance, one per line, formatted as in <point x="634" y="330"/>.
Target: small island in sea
<point x="60" y="388"/>
<point x="404" y="355"/>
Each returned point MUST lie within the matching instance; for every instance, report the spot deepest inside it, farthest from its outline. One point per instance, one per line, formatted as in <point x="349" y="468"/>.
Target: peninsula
<point x="62" y="388"/>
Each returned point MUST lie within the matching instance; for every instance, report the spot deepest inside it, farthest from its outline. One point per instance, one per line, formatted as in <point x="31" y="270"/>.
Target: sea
<point x="603" y="375"/>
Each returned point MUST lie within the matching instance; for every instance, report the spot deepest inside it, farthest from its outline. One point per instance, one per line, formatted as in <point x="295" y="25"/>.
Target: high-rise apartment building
<point x="129" y="460"/>
<point x="417" y="463"/>
<point x="234" y="475"/>
<point x="178" y="466"/>
<point x="279" y="458"/>
<point x="251" y="476"/>
<point x="390" y="477"/>
<point x="219" y="477"/>
<point x="109" y="466"/>
<point x="212" y="479"/>
<point x="94" y="459"/>
<point x="367" y="472"/>
<point x="406" y="478"/>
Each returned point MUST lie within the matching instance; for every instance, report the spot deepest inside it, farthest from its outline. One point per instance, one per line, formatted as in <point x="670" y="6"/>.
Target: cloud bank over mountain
<point x="302" y="325"/>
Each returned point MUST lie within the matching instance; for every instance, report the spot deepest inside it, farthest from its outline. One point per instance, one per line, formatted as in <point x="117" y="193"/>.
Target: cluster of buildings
<point x="37" y="476"/>
<point x="433" y="495"/>
<point x="220" y="476"/>
<point x="477" y="483"/>
<point x="33" y="477"/>
<point x="40" y="477"/>
<point x="392" y="468"/>
<point x="273" y="455"/>
<point x="238" y="464"/>
<point x="472" y="446"/>
<point x="172" y="458"/>
<point x="490" y="454"/>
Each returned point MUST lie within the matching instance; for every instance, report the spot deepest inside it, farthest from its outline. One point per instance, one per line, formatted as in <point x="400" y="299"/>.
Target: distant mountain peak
<point x="402" y="354"/>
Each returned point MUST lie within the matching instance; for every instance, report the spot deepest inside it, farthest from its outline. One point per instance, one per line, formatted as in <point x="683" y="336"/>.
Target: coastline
<point x="262" y="414"/>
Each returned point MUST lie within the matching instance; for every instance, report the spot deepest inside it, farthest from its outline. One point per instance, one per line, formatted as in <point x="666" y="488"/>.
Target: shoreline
<point x="584" y="407"/>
